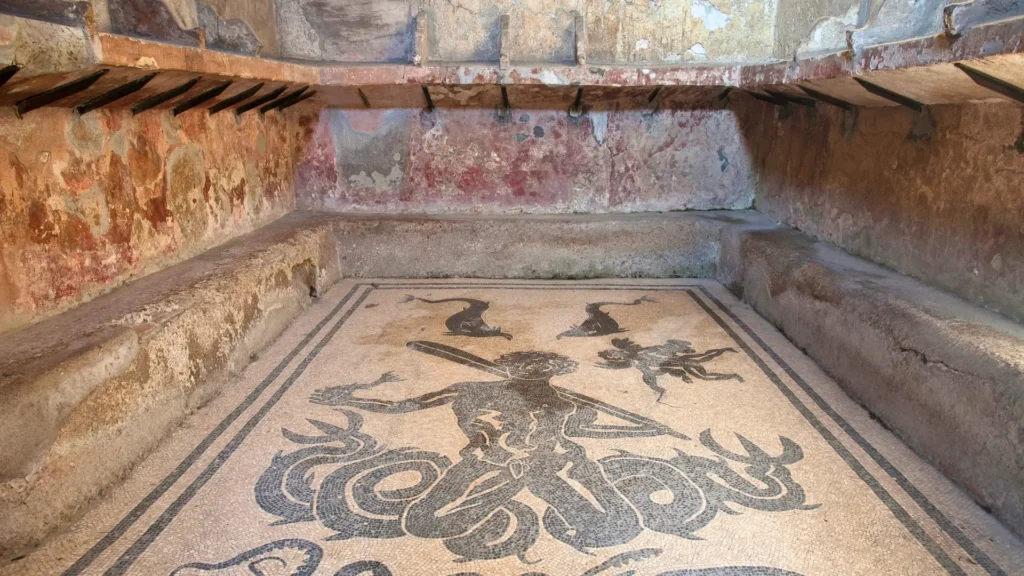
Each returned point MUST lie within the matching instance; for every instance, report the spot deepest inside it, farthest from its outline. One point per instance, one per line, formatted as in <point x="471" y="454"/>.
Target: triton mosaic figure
<point x="518" y="437"/>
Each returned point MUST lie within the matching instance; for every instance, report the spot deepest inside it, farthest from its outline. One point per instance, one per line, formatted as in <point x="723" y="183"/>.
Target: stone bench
<point x="945" y="375"/>
<point x="87" y="394"/>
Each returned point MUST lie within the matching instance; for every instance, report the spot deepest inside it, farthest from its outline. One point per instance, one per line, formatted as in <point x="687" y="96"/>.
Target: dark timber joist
<point x="56" y="93"/>
<point x="890" y="95"/>
<point x="506" y="106"/>
<point x="302" y="98"/>
<point x="994" y="84"/>
<point x="576" y="109"/>
<point x="284" y="100"/>
<point x="158" y="99"/>
<point x="791" y="98"/>
<point x="723" y="96"/>
<point x="273" y="94"/>
<point x="768" y="98"/>
<point x="200" y="98"/>
<point x="7" y="73"/>
<point x="362" y="96"/>
<point x="822" y="97"/>
<point x="236" y="99"/>
<point x="429" y="100"/>
<point x="115" y="94"/>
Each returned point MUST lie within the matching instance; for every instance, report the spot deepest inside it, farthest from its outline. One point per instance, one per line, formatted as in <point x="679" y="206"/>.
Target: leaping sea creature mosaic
<point x="469" y="321"/>
<point x="599" y="322"/>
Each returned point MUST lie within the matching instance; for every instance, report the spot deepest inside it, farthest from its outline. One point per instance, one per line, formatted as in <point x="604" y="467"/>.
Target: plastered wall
<point x="936" y="195"/>
<point x="542" y="31"/>
<point x="658" y="31"/>
<point x="89" y="202"/>
<point x="474" y="160"/>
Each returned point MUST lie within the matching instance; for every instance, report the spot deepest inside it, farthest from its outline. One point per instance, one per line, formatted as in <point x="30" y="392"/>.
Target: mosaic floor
<point x="526" y="428"/>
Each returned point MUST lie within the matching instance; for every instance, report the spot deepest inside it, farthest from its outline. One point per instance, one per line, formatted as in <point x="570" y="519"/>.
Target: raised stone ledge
<point x="669" y="245"/>
<point x="943" y="374"/>
<point x="87" y="394"/>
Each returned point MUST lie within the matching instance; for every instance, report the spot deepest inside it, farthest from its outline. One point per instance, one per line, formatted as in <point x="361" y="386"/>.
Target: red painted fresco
<point x="88" y="202"/>
<point x="539" y="161"/>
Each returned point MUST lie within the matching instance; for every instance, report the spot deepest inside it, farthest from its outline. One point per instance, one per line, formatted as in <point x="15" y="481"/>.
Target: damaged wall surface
<point x="935" y="195"/>
<point x="89" y="202"/>
<point x="661" y="31"/>
<point x="537" y="161"/>
<point x="649" y="32"/>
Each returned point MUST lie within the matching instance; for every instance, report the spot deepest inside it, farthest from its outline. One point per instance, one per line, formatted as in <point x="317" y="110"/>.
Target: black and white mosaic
<point x="395" y="431"/>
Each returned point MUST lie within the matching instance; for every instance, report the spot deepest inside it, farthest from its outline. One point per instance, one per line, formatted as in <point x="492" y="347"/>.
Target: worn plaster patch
<point x="119" y="144"/>
<point x="185" y="179"/>
<point x="361" y="30"/>
<point x="709" y="14"/>
<point x="829" y="34"/>
<point x="231" y="35"/>
<point x="599" y="125"/>
<point x="377" y="181"/>
<point x="368" y="160"/>
<point x="697" y="52"/>
<point x="93" y="207"/>
<point x="296" y="35"/>
<point x="85" y="134"/>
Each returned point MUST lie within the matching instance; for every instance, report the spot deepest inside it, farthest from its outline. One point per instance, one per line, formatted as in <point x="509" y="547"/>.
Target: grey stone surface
<point x="87" y="394"/>
<point x="679" y="244"/>
<point x="63" y="12"/>
<point x="961" y="16"/>
<point x="946" y="376"/>
<point x="346" y="30"/>
<point x="231" y="35"/>
<point x="171" y="21"/>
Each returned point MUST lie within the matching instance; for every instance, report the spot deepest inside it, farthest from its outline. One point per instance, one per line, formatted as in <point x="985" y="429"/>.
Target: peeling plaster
<point x="709" y="14"/>
<point x="599" y="125"/>
<point x="697" y="52"/>
<point x="829" y="34"/>
<point x="468" y="160"/>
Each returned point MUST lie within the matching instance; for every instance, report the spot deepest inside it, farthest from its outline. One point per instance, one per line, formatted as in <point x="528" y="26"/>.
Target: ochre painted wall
<point x="89" y="202"/>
